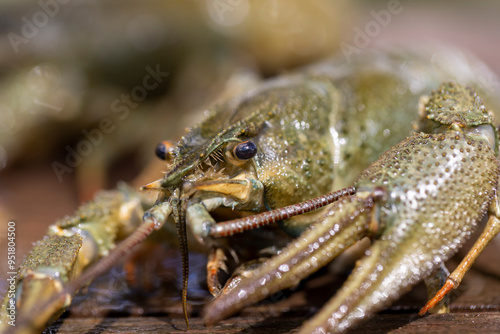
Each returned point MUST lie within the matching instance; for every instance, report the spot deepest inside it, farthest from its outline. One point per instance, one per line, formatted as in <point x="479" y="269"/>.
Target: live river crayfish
<point x="294" y="138"/>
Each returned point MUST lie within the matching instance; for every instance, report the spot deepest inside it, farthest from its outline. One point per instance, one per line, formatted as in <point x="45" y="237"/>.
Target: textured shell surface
<point x="315" y="130"/>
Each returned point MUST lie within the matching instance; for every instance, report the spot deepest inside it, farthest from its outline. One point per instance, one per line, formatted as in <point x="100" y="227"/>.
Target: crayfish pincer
<point x="418" y="203"/>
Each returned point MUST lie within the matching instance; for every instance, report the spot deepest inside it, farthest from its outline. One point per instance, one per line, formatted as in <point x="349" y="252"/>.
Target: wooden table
<point x="475" y="309"/>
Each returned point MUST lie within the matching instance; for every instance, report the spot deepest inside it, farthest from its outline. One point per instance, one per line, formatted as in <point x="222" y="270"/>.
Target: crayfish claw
<point x="346" y="222"/>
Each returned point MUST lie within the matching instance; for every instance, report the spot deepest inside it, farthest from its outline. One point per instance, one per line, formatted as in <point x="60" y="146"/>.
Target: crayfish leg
<point x="347" y="221"/>
<point x="490" y="231"/>
<point x="216" y="262"/>
<point x="434" y="284"/>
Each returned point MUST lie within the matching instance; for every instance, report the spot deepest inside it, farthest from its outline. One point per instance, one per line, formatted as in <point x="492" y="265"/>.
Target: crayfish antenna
<point x="180" y="224"/>
<point x="122" y="249"/>
<point x="230" y="227"/>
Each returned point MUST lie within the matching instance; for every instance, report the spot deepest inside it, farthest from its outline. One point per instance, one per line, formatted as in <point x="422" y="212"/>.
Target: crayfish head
<point x="226" y="171"/>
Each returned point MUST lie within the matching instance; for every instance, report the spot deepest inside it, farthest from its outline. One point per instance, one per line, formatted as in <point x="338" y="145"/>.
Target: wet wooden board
<point x="485" y="322"/>
<point x="476" y="308"/>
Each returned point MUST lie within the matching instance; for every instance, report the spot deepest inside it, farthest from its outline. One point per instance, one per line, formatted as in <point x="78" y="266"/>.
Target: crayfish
<point x="294" y="138"/>
<point x="418" y="202"/>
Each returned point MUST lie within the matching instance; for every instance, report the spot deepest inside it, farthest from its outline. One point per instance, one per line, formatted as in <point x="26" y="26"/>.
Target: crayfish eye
<point x="245" y="150"/>
<point x="164" y="150"/>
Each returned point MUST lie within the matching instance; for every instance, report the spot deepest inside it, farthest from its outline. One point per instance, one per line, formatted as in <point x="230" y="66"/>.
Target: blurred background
<point x="88" y="87"/>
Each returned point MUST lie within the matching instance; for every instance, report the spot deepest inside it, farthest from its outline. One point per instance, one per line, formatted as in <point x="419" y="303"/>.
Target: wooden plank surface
<point x="475" y="308"/>
<point x="484" y="322"/>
